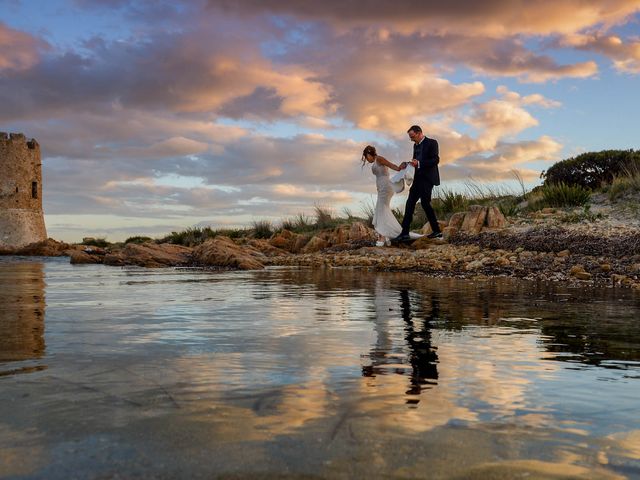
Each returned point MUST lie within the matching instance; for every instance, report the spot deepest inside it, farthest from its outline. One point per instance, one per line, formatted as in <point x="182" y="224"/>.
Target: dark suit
<point x="426" y="177"/>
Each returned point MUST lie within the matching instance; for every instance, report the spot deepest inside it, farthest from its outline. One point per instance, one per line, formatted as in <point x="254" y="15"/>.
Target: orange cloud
<point x="18" y="50"/>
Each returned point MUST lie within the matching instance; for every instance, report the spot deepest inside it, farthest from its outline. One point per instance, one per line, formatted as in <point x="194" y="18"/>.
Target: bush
<point x="262" y="229"/>
<point x="95" y="242"/>
<point x="449" y="202"/>
<point x="627" y="183"/>
<point x="509" y="206"/>
<point x="592" y="170"/>
<point x="138" y="239"/>
<point x="324" y="218"/>
<point x="559" y="195"/>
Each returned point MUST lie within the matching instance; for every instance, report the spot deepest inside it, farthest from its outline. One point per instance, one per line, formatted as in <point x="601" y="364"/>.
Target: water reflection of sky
<point x="319" y="372"/>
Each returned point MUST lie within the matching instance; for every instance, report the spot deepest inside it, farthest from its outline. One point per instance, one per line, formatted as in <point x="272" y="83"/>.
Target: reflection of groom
<point x="425" y="160"/>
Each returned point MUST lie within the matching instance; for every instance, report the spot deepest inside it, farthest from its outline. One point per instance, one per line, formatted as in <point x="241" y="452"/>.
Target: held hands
<point x="414" y="162"/>
<point x="403" y="165"/>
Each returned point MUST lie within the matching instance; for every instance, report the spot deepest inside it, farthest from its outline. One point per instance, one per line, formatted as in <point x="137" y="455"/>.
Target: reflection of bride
<point x="384" y="221"/>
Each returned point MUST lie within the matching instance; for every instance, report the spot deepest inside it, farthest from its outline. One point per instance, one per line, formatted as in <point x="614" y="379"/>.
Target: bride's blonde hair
<point x="368" y="150"/>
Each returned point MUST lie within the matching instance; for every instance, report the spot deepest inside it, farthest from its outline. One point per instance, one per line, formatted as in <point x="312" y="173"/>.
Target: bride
<point x="384" y="221"/>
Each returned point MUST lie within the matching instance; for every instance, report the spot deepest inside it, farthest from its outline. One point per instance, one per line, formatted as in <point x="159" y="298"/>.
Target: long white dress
<point x="384" y="221"/>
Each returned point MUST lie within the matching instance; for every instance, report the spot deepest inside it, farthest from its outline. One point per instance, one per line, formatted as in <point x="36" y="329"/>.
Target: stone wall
<point x="21" y="216"/>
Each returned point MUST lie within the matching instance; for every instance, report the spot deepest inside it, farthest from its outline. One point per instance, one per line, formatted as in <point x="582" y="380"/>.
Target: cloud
<point x="624" y="54"/>
<point x="493" y="18"/>
<point x="18" y="50"/>
<point x="190" y="72"/>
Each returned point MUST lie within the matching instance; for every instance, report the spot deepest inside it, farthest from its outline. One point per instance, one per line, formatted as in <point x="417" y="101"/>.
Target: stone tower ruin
<point x="21" y="216"/>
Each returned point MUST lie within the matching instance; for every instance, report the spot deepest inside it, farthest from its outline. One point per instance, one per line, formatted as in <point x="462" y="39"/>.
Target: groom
<point x="425" y="160"/>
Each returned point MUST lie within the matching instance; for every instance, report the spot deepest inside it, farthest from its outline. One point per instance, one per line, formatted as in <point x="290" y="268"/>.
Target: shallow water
<point x="287" y="373"/>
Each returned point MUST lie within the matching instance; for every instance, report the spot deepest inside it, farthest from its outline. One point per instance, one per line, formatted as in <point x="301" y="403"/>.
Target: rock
<point x="605" y="267"/>
<point x="456" y="220"/>
<point x="449" y="232"/>
<point x="265" y="247"/>
<point x="495" y="218"/>
<point x="45" y="248"/>
<point x="576" y="269"/>
<point x="223" y="252"/>
<point x="563" y="253"/>
<point x="424" y="242"/>
<point x="582" y="275"/>
<point x="153" y="255"/>
<point x="426" y="228"/>
<point x="77" y="257"/>
<point x="503" y="262"/>
<point x="474" y="265"/>
<point x="115" y="259"/>
<point x="474" y="219"/>
<point x="283" y="239"/>
<point x="316" y="244"/>
<point x="359" y="232"/>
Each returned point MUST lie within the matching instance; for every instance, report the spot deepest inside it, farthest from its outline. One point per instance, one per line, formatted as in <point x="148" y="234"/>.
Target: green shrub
<point x="452" y="202"/>
<point x="629" y="182"/>
<point x="509" y="206"/>
<point x="138" y="239"/>
<point x="96" y="242"/>
<point x="592" y="170"/>
<point x="262" y="229"/>
<point x="324" y="218"/>
<point x="368" y="210"/>
<point x="559" y="195"/>
<point x="585" y="215"/>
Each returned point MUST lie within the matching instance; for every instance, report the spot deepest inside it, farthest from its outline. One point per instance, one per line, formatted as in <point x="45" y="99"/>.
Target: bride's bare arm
<point x="383" y="161"/>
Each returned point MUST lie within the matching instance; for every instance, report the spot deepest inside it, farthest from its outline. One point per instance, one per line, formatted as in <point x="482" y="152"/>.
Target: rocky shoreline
<point x="583" y="254"/>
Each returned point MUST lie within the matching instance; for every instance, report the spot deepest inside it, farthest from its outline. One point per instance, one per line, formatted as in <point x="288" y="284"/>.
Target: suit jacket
<point x="427" y="154"/>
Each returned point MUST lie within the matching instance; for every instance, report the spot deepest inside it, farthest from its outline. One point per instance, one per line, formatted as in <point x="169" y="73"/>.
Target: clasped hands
<point x="413" y="162"/>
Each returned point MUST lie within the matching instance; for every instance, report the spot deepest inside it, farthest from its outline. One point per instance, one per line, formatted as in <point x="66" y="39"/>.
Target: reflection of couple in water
<point x="421" y="354"/>
<point x="424" y="167"/>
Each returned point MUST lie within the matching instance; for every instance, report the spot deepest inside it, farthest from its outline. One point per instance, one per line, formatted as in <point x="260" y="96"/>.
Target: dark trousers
<point x="419" y="191"/>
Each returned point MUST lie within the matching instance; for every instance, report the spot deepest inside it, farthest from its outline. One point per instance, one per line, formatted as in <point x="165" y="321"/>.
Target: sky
<point x="156" y="116"/>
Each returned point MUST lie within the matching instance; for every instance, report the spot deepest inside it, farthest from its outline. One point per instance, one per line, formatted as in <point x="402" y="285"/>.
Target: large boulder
<point x="150" y="255"/>
<point x="45" y="248"/>
<point x="83" y="257"/>
<point x="316" y="244"/>
<point x="359" y="232"/>
<point x="474" y="219"/>
<point x="289" y="241"/>
<point x="426" y="228"/>
<point x="495" y="218"/>
<point x="266" y="248"/>
<point x="223" y="252"/>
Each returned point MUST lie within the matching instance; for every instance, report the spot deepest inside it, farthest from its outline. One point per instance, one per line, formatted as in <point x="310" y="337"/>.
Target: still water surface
<point x="288" y="373"/>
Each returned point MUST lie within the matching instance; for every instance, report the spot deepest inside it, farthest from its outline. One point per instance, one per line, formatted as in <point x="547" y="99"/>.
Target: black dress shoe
<point x="403" y="237"/>
<point x="435" y="235"/>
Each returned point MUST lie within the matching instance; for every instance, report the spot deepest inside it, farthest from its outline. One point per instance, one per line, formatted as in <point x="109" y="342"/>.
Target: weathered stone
<point x="223" y="252"/>
<point x="582" y="275"/>
<point x="45" y="248"/>
<point x="495" y="218"/>
<point x="456" y="220"/>
<point x="563" y="253"/>
<point x="426" y="228"/>
<point x="77" y="257"/>
<point x="576" y="269"/>
<point x="605" y="267"/>
<point x="316" y="244"/>
<point x="360" y="232"/>
<point x="265" y="247"/>
<point x="474" y="219"/>
<point x="153" y="255"/>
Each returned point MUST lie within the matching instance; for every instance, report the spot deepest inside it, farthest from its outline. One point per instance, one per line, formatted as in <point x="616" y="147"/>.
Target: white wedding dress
<point x="384" y="221"/>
